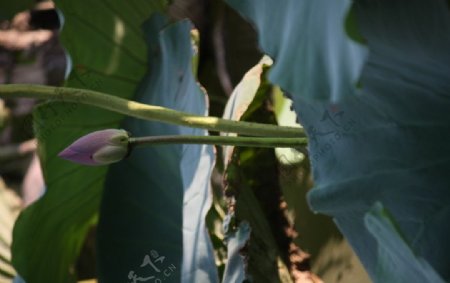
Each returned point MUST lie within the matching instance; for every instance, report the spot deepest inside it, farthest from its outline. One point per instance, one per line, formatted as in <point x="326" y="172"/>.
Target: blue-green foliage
<point x="313" y="56"/>
<point x="388" y="145"/>
<point x="396" y="261"/>
<point x="155" y="201"/>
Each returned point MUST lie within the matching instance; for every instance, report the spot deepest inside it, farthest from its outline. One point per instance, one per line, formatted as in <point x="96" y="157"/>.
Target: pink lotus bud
<point x="98" y="148"/>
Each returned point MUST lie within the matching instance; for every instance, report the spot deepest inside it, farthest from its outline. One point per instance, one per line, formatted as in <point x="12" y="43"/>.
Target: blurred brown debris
<point x="30" y="53"/>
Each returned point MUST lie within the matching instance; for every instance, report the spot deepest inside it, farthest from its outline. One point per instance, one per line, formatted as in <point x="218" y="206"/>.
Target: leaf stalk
<point x="145" y="111"/>
<point x="218" y="140"/>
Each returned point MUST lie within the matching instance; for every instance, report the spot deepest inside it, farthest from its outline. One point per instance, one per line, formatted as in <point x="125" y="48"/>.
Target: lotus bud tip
<point x="98" y="148"/>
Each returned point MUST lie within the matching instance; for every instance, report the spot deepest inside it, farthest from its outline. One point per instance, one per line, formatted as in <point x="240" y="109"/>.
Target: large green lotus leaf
<point x="391" y="144"/>
<point x="155" y="201"/>
<point x="392" y="250"/>
<point x="313" y="56"/>
<point x="108" y="51"/>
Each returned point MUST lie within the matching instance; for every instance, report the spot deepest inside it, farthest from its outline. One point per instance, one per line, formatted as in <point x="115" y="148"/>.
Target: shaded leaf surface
<point x="309" y="45"/>
<point x="391" y="144"/>
<point x="155" y="201"/>
<point x="392" y="250"/>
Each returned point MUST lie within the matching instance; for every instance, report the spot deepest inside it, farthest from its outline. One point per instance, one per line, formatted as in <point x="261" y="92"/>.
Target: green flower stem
<point x="219" y="140"/>
<point x="145" y="111"/>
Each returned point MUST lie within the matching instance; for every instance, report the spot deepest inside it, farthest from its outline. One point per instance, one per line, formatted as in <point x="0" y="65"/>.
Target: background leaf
<point x="235" y="268"/>
<point x="392" y="250"/>
<point x="390" y="145"/>
<point x="156" y="201"/>
<point x="252" y="180"/>
<point x="241" y="98"/>
<point x="286" y="116"/>
<point x="9" y="8"/>
<point x="108" y="52"/>
<point x="313" y="56"/>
